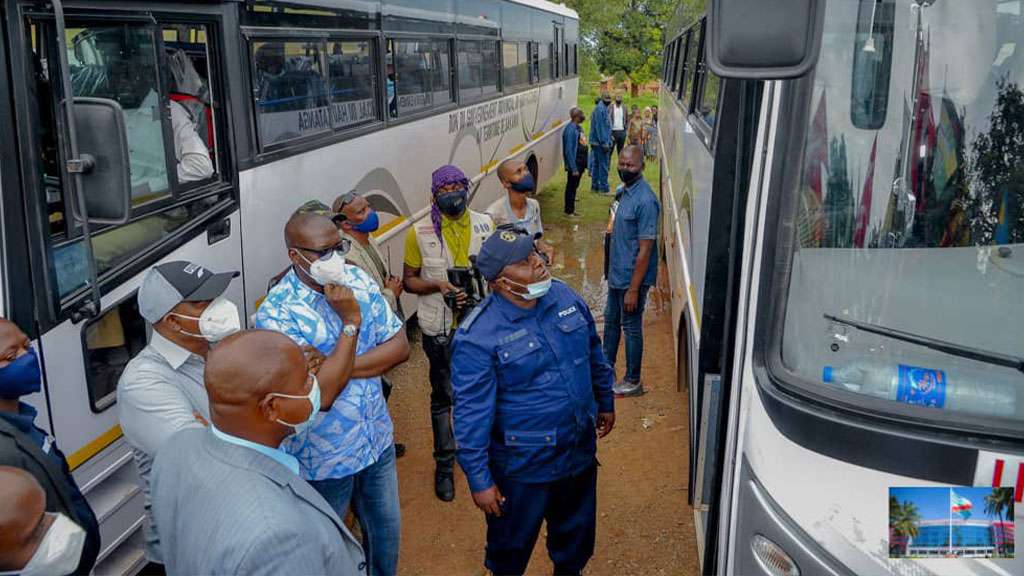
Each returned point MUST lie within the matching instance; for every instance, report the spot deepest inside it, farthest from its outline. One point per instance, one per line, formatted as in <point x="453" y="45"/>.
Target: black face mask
<point x="453" y="204"/>
<point x="607" y="101"/>
<point x="628" y="176"/>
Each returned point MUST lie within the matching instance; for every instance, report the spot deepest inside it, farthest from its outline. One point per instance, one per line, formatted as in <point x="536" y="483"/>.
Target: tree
<point x="903" y="520"/>
<point x="1001" y="499"/>
<point x="627" y="36"/>
<point x="997" y="170"/>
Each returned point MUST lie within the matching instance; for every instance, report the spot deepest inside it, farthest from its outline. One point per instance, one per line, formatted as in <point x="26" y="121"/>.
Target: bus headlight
<point x="772" y="557"/>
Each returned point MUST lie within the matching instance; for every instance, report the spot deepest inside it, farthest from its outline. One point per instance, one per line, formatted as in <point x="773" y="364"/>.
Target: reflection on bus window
<point x="872" y="63"/>
<point x="917" y="225"/>
<point x="478" y="68"/>
<point x="351" y="69"/>
<point x="709" y="97"/>
<point x="686" y="85"/>
<point x="422" y="74"/>
<point x="291" y="99"/>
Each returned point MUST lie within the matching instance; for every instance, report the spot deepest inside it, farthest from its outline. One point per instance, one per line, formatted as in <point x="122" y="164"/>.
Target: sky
<point x="933" y="503"/>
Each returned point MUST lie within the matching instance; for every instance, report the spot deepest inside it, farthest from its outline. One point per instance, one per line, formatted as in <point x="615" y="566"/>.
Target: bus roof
<point x="370" y="5"/>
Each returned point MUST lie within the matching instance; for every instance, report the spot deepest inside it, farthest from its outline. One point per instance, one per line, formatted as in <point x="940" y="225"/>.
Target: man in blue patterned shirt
<point x="348" y="455"/>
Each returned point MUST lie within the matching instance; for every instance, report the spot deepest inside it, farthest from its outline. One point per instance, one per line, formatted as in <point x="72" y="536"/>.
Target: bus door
<point x="163" y="72"/>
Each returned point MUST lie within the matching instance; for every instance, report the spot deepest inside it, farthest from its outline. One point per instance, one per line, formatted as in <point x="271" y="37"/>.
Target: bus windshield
<point x="910" y="210"/>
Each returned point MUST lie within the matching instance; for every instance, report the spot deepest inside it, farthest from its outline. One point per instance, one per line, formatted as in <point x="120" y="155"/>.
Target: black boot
<point x="399" y="450"/>
<point x="444" y="485"/>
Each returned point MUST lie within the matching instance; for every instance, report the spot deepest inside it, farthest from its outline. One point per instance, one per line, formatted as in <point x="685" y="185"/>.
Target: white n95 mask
<point x="59" y="552"/>
<point x="218" y="321"/>
<point x="330" y="270"/>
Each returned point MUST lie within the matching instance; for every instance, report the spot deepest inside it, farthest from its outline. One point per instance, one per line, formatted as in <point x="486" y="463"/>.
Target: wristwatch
<point x="350" y="330"/>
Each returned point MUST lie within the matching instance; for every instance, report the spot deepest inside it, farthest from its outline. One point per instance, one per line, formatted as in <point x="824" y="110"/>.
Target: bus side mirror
<point x="764" y="39"/>
<point x="103" y="161"/>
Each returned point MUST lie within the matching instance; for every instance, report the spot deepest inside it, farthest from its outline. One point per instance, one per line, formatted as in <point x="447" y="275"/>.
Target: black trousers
<point x="572" y="183"/>
<point x="439" y="356"/>
<point x="619" y="136"/>
<point x="569" y="506"/>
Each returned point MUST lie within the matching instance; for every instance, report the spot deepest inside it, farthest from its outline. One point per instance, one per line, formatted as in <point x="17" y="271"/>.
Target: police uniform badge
<point x="508" y="236"/>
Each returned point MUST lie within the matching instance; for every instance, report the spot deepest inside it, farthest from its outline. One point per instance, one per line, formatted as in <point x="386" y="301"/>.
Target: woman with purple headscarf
<point x="447" y="239"/>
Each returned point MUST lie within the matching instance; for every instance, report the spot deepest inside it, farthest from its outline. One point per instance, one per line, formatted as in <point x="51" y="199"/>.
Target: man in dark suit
<point x="227" y="499"/>
<point x="27" y="446"/>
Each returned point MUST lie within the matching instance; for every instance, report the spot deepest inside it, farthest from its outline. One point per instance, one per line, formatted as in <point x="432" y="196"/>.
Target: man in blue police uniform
<point x="533" y="392"/>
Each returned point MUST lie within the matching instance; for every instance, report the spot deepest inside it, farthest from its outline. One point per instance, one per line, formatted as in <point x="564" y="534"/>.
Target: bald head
<point x="576" y="114"/>
<point x="22" y="520"/>
<point x="309" y="230"/>
<point x="248" y="365"/>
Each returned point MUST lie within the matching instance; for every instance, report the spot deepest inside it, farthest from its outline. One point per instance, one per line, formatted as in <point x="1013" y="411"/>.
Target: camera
<point x="468" y="280"/>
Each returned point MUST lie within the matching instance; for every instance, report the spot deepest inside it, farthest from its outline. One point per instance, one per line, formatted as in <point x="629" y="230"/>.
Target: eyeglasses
<point x="341" y="248"/>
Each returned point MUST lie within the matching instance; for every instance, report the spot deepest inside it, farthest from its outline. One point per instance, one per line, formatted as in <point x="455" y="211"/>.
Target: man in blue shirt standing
<point x="533" y="392"/>
<point x="572" y="144"/>
<point x="349" y="454"/>
<point x="632" y="266"/>
<point x="601" y="145"/>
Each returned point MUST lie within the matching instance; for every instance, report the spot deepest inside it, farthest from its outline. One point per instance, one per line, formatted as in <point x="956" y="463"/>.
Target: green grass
<point x="591" y="207"/>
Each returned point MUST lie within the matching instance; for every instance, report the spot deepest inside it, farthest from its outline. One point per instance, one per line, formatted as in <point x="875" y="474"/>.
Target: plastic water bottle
<point x="985" y="392"/>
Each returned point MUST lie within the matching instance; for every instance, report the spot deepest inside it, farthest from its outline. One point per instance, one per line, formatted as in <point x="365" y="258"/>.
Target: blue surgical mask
<point x="314" y="400"/>
<point x="533" y="290"/>
<point x="525" y="185"/>
<point x="21" y="377"/>
<point x="371" y="223"/>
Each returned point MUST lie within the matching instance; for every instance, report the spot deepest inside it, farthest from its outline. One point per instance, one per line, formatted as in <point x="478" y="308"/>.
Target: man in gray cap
<point x="161" y="390"/>
<point x="533" y="392"/>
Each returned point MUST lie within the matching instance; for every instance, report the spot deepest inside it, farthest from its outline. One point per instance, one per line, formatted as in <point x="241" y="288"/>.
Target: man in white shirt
<point x="516" y="207"/>
<point x="146" y="148"/>
<point x="618" y="113"/>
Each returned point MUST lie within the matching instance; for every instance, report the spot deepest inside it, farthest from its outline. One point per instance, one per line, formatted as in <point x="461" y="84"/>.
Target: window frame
<point x="51" y="308"/>
<point x="321" y="139"/>
<point x="697" y="37"/>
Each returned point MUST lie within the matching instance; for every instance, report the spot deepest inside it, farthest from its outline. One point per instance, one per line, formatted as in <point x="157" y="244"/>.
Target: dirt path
<point x="644" y="524"/>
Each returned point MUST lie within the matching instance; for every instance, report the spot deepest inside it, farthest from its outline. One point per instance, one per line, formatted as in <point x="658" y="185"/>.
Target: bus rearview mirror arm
<point x="100" y="179"/>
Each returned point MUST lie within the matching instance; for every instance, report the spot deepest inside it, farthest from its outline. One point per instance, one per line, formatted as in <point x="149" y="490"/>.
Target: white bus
<point x="295" y="101"/>
<point x="846" y="256"/>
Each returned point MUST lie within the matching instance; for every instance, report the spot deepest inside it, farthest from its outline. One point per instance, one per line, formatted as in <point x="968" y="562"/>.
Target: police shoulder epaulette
<point x="472" y="316"/>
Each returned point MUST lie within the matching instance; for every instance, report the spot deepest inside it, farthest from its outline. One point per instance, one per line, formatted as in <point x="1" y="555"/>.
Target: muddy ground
<point x="644" y="524"/>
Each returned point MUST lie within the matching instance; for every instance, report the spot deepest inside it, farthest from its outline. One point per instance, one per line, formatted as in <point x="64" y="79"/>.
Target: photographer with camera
<point x="445" y="241"/>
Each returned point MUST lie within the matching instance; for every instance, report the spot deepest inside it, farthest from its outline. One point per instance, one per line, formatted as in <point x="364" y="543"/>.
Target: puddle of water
<point x="579" y="262"/>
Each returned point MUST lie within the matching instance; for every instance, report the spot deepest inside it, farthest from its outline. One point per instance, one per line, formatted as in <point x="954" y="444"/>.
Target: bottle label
<point x="921" y="386"/>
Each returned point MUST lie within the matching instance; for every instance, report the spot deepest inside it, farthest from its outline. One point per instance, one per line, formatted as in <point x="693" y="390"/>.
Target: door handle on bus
<point x="218" y="231"/>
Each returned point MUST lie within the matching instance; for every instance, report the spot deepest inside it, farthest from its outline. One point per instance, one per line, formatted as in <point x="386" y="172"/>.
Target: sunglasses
<point x="341" y="248"/>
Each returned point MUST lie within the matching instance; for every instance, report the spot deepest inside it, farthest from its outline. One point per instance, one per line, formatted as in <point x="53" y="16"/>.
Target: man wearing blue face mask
<point x="26" y="446"/>
<point x="357" y="221"/>
<point x="161" y="390"/>
<point x="228" y="499"/>
<point x="533" y="392"/>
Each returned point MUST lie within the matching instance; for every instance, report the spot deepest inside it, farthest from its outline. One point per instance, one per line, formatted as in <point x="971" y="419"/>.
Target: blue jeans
<point x="599" y="173"/>
<point x="616" y="321"/>
<point x="373" y="492"/>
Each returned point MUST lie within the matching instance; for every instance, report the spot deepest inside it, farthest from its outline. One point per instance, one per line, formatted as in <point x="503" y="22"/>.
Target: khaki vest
<point x="435" y="318"/>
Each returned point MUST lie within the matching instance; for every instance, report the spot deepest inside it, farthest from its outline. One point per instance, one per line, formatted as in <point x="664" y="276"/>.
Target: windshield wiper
<point x="985" y="356"/>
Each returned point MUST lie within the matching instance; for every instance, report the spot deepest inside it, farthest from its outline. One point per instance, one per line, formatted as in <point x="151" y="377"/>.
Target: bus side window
<point x="423" y="74"/>
<point x="172" y="150"/>
<point x="110" y="341"/>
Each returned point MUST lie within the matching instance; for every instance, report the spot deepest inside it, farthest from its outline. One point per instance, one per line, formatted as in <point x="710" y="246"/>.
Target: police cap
<point x="508" y="245"/>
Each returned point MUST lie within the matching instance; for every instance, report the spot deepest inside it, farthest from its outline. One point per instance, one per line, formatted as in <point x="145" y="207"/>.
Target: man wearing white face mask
<point x="533" y="392"/>
<point x="34" y="542"/>
<point x="229" y="499"/>
<point x="161" y="390"/>
<point x="349" y="455"/>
